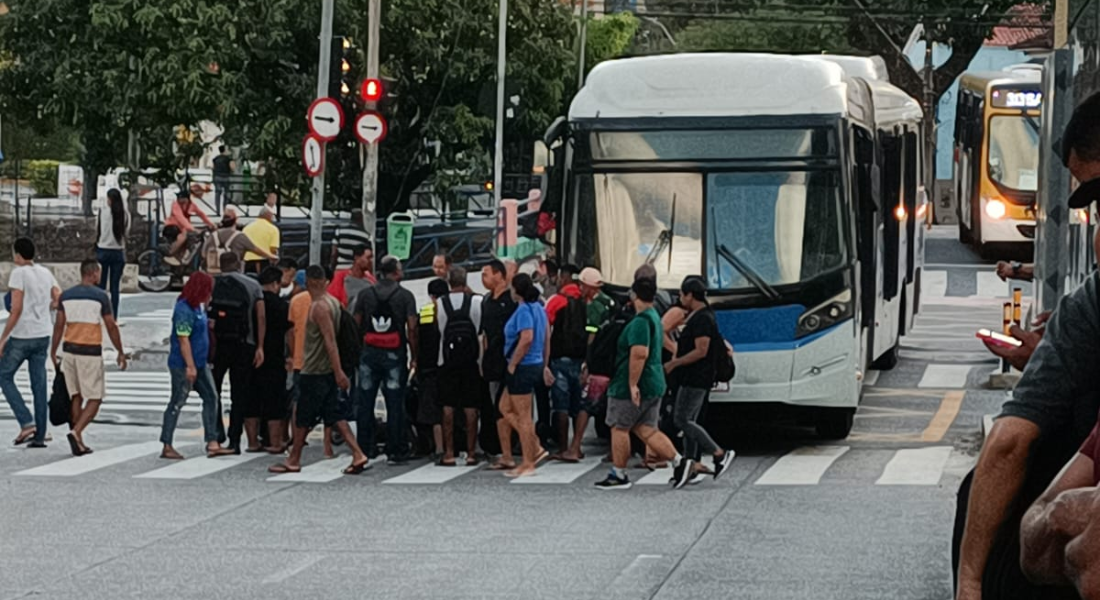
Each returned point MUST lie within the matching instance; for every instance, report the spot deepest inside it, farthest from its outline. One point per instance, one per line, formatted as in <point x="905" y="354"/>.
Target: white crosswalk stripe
<point x="916" y="466"/>
<point x="324" y="471"/>
<point x="130" y="391"/>
<point x="431" y="474"/>
<point x="79" y="465"/>
<point x="802" y="466"/>
<point x="945" y="376"/>
<point x="559" y="472"/>
<point x="193" y="468"/>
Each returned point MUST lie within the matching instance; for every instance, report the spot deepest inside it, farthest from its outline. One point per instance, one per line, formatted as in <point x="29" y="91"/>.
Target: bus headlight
<point x="826" y="314"/>
<point x="995" y="209"/>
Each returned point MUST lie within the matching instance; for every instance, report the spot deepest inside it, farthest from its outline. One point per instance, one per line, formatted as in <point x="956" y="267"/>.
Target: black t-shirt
<point x="276" y="312"/>
<point x="402" y="306"/>
<point x="495" y="313"/>
<point x="699" y="374"/>
<point x="221" y="165"/>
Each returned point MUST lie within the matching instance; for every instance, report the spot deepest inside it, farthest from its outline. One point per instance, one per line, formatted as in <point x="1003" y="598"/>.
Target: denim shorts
<point x="319" y="401"/>
<point x="566" y="393"/>
<point x="524" y="380"/>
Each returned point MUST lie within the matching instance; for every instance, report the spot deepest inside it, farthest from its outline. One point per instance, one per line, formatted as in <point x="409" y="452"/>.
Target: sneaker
<point x="681" y="473"/>
<point x="36" y="444"/>
<point x="721" y="465"/>
<point x="614" y="483"/>
<point x="699" y="478"/>
<point x="397" y="461"/>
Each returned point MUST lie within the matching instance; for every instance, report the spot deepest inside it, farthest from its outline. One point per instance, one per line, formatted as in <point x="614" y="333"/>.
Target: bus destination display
<point x="1017" y="98"/>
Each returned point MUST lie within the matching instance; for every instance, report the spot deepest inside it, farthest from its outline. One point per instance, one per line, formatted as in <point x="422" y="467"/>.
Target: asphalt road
<point x="867" y="517"/>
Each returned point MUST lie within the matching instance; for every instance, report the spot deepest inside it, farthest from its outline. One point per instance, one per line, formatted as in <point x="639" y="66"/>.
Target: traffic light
<point x="341" y="73"/>
<point x="371" y="90"/>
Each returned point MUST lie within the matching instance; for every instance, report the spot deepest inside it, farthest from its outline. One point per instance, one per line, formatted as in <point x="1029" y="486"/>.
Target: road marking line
<point x="802" y="466"/>
<point x="559" y="472"/>
<point x="281" y="576"/>
<point x="915" y="466"/>
<point x="197" y="467"/>
<point x="325" y="471"/>
<point x="991" y="286"/>
<point x="79" y="465"/>
<point x="933" y="284"/>
<point x="945" y="376"/>
<point x="944" y="417"/>
<point x="430" y="474"/>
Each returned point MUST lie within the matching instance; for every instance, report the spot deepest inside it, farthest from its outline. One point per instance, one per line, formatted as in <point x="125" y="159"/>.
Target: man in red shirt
<point x="347" y="283"/>
<point x="567" y="314"/>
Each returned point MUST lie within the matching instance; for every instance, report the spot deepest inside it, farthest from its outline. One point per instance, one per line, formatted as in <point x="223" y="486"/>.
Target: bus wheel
<point x="835" y="423"/>
<point x="887" y="361"/>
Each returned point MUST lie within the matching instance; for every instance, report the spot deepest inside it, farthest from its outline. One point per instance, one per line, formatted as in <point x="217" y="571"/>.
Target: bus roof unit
<point x="712" y="85"/>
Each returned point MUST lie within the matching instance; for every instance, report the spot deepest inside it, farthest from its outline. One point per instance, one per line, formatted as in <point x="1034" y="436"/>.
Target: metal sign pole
<point x="316" y="215"/>
<point x="370" y="167"/>
<point x="498" y="158"/>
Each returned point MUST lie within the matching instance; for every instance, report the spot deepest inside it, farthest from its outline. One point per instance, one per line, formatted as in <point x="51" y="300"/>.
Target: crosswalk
<point x="130" y="391"/>
<point x="800" y="467"/>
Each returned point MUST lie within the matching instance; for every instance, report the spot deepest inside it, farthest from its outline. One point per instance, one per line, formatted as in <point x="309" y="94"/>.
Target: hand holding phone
<point x="998" y="339"/>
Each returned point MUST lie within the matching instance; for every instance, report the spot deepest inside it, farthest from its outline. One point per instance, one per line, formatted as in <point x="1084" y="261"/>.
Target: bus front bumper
<point x="820" y="373"/>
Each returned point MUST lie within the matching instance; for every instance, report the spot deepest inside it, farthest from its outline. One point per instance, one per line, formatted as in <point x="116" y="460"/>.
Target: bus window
<point x="1014" y="152"/>
<point x="891" y="194"/>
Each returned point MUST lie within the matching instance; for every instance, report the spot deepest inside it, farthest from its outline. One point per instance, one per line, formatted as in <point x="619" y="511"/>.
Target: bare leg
<point x="521" y="421"/>
<point x="328" y="443"/>
<point x="471" y="433"/>
<point x="90" y="411"/>
<point x="252" y="430"/>
<point x="178" y="244"/>
<point x="275" y="430"/>
<point x="504" y="432"/>
<point x="294" y="460"/>
<point x="561" y="423"/>
<point x="437" y="435"/>
<point x="654" y="440"/>
<point x="448" y="435"/>
<point x="357" y="456"/>
<point x="620" y="447"/>
<point x="580" y="425"/>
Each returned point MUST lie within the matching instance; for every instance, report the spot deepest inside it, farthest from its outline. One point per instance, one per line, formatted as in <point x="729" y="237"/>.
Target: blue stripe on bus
<point x="765" y="329"/>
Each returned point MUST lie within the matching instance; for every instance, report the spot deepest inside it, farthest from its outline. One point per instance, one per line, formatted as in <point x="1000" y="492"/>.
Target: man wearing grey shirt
<point x="1051" y="412"/>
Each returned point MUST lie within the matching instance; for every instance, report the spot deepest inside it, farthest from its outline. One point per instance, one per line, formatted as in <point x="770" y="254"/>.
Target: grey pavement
<point x="797" y="517"/>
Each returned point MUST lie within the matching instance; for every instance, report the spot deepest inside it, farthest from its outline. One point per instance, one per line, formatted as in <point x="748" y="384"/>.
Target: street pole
<point x="583" y="44"/>
<point x="370" y="167"/>
<point x="498" y="158"/>
<point x="315" y="216"/>
<point x="929" y="141"/>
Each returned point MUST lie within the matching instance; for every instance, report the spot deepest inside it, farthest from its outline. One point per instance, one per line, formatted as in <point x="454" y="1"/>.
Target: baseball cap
<point x="1085" y="194"/>
<point x="591" y="276"/>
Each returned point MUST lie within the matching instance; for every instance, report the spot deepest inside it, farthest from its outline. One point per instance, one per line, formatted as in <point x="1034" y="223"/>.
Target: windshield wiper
<point x="748" y="272"/>
<point x="1031" y="122"/>
<point x="664" y="240"/>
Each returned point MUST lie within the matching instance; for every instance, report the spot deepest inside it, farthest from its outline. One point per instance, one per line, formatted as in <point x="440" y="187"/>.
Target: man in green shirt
<point x="634" y="397"/>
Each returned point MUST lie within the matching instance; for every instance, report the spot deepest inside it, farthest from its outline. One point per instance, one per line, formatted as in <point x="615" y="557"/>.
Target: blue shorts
<point x="523" y="381"/>
<point x="566" y="394"/>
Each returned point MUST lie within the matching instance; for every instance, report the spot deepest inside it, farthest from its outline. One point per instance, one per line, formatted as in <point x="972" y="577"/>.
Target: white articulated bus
<point x="782" y="182"/>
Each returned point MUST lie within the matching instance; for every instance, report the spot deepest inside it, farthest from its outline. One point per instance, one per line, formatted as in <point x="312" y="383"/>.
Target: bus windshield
<point x="781" y="227"/>
<point x="1014" y="152"/>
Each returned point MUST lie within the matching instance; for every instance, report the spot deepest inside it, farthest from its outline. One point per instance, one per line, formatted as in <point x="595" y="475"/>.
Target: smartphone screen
<point x="999" y="339"/>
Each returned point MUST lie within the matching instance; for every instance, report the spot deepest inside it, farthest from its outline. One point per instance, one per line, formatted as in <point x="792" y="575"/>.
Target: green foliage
<point x="609" y="37"/>
<point x="744" y="36"/>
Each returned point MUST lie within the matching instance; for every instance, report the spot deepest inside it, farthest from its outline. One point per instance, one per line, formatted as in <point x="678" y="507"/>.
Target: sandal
<point x="256" y="450"/>
<point x="25" y="436"/>
<point x="355" y="469"/>
<point x="472" y="462"/>
<point x="502" y="466"/>
<point x="283" y="468"/>
<point x="444" y="463"/>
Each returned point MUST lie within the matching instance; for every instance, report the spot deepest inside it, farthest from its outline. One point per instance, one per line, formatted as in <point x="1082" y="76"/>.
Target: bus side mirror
<point x="556" y="131"/>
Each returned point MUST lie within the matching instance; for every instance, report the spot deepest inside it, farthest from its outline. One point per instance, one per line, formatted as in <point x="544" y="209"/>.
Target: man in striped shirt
<point x="349" y="236"/>
<point x="82" y="313"/>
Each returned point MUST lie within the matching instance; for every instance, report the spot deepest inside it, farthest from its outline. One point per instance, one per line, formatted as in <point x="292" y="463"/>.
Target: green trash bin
<point x="399" y="234"/>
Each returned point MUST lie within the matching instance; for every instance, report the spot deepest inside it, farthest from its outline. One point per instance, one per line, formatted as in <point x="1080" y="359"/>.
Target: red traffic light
<point x="371" y="91"/>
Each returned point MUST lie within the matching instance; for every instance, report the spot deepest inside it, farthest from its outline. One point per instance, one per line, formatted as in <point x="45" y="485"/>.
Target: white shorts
<point x="83" y="375"/>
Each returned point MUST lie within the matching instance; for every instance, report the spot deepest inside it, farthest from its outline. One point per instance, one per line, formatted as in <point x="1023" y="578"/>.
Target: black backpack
<point x="229" y="308"/>
<point x="569" y="338"/>
<point x="604" y="347"/>
<point x="460" y="343"/>
<point x="383" y="330"/>
<point x="348" y="343"/>
<point x="722" y="355"/>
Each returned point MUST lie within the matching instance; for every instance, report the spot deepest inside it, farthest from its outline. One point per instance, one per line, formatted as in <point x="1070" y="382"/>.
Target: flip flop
<point x="355" y="469"/>
<point x="24" y="436"/>
<point x="514" y="475"/>
<point x="501" y="467"/>
<point x="282" y="468"/>
<point x="255" y="450"/>
<point x="168" y="457"/>
<point x="74" y="446"/>
<point x="568" y="460"/>
<point x="443" y="463"/>
<point x="472" y="462"/>
<point x="541" y="457"/>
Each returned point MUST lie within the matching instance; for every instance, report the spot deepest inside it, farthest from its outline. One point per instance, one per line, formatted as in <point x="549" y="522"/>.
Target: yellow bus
<point x="996" y="172"/>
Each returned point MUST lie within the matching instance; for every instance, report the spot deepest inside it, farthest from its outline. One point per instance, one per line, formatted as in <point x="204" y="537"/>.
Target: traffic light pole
<point x="316" y="215"/>
<point x="498" y="154"/>
<point x="370" y="167"/>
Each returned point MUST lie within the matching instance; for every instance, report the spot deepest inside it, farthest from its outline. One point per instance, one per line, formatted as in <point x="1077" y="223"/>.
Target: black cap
<point x="1085" y="194"/>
